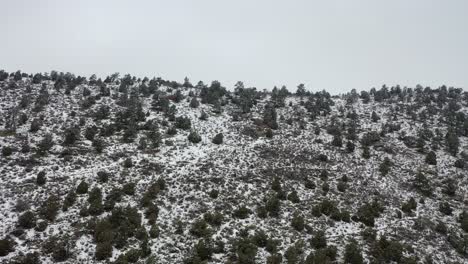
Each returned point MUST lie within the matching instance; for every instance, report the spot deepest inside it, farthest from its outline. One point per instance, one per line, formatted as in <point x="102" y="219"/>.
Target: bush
<point x="154" y="231"/>
<point x="218" y="139"/>
<point x="129" y="188"/>
<point x="103" y="250"/>
<point x="319" y="240"/>
<point x="367" y="213"/>
<point x="445" y="208"/>
<point x="194" y="137"/>
<point x="203" y="116"/>
<point x="133" y="255"/>
<point x="214" y="219"/>
<point x="7" y="151"/>
<point x="6" y="247"/>
<point x="194" y="103"/>
<point x="350" y="146"/>
<point x="203" y="249"/>
<point x="69" y="200"/>
<point x="325" y="207"/>
<point x="246" y="251"/>
<point x="82" y="188"/>
<point x="103" y="176"/>
<point x="41" y="226"/>
<point x="171" y="131"/>
<point x="29" y="258"/>
<point x="409" y="206"/>
<point x="214" y="193"/>
<point x="422" y="184"/>
<point x="293" y="197"/>
<point x="27" y="220"/>
<point x="128" y="163"/>
<point x="353" y="254"/>
<point x="297" y="222"/>
<point x="183" y="123"/>
<point x="370" y="138"/>
<point x="273" y="206"/>
<point x="200" y="228"/>
<point x="431" y="158"/>
<point x="341" y="186"/>
<point x="463" y="219"/>
<point x="385" y="166"/>
<point x="50" y="207"/>
<point x="95" y="202"/>
<point x="41" y="178"/>
<point x="241" y="212"/>
<point x="385" y="251"/>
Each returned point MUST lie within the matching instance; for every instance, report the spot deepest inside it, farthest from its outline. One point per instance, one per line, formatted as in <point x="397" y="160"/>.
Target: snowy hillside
<point x="127" y="170"/>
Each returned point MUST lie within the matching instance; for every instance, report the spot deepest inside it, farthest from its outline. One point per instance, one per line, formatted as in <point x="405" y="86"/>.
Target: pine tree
<point x="375" y="118"/>
<point x="353" y="254"/>
<point x="270" y="116"/>
<point x="41" y="178"/>
<point x="431" y="158"/>
<point x="297" y="221"/>
<point x="218" y="139"/>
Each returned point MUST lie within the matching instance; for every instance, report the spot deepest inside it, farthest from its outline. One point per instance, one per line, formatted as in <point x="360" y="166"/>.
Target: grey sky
<point x="329" y="44"/>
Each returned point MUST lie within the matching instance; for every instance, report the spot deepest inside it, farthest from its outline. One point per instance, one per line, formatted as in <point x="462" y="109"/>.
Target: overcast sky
<point x="335" y="45"/>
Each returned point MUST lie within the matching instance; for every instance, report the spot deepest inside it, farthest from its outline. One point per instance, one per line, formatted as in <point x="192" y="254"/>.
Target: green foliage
<point x="41" y="178"/>
<point x="325" y="207"/>
<point x="260" y="238"/>
<point x="242" y="212"/>
<point x="464" y="221"/>
<point x="384" y="250"/>
<point x="58" y="247"/>
<point x="154" y="231"/>
<point x="409" y="206"/>
<point x="50" y="207"/>
<point x="129" y="188"/>
<point x="214" y="219"/>
<point x="200" y="228"/>
<point x="431" y="158"/>
<point x="82" y="188"/>
<point x="422" y="184"/>
<point x="375" y="117"/>
<point x="246" y="251"/>
<point x="273" y="206"/>
<point x="204" y="249"/>
<point x="194" y="137"/>
<point x="370" y="138"/>
<point x="319" y="240"/>
<point x="128" y="163"/>
<point x="274" y="259"/>
<point x="103" y="250"/>
<point x="445" y="208"/>
<point x="385" y="166"/>
<point x="70" y="199"/>
<point x="194" y="103"/>
<point x="45" y="144"/>
<point x="353" y="253"/>
<point x="6" y="247"/>
<point x="297" y="222"/>
<point x="118" y="227"/>
<point x="27" y="220"/>
<point x="293" y="197"/>
<point x="270" y="117"/>
<point x="218" y="139"/>
<point x="183" y="122"/>
<point x="95" y="202"/>
<point x="367" y="213"/>
<point x="103" y="176"/>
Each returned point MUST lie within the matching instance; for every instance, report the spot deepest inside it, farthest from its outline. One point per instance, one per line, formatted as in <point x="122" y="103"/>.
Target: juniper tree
<point x="270" y="117"/>
<point x="218" y="139"/>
